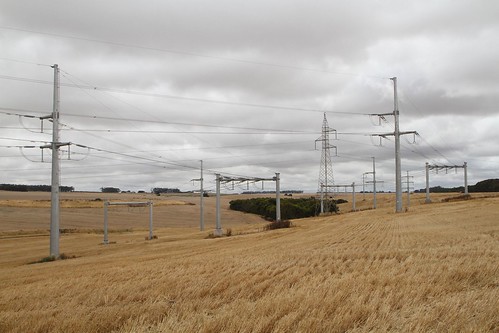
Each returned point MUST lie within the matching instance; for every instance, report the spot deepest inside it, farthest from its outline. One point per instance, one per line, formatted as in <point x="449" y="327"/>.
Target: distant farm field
<point x="432" y="268"/>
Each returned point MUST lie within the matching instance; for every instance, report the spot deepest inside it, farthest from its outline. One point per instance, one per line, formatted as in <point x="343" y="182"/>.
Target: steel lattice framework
<point x="326" y="178"/>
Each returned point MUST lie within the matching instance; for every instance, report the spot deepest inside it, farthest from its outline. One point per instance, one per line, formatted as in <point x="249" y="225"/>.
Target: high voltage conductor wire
<point x="160" y="122"/>
<point x="214" y="126"/>
<point x="221" y="147"/>
<point x="194" y="99"/>
<point x="25" y="140"/>
<point x="110" y="175"/>
<point x="184" y="132"/>
<point x="193" y="124"/>
<point x="21" y="110"/>
<point x="193" y="54"/>
<point x="68" y="76"/>
<point x="284" y="131"/>
<point x="129" y="104"/>
<point x="24" y="62"/>
<point x="137" y="157"/>
<point x="149" y="131"/>
<point x="436" y="150"/>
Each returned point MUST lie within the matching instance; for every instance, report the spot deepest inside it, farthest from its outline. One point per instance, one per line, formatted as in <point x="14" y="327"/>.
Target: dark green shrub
<point x="290" y="208"/>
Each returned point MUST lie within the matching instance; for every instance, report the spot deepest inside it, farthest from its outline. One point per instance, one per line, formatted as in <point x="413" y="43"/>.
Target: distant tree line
<point x="440" y="189"/>
<point x="489" y="185"/>
<point x="156" y="190"/>
<point x="159" y="190"/>
<point x="271" y="192"/>
<point x="33" y="188"/>
<point x="110" y="190"/>
<point x="290" y="208"/>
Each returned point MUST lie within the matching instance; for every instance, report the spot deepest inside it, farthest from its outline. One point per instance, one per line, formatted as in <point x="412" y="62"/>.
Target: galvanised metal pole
<point x="408" y="192"/>
<point x="106" y="239"/>
<point x="398" y="167"/>
<point x="353" y="199"/>
<point x="201" y="210"/>
<point x="218" y="228"/>
<point x="364" y="186"/>
<point x="428" y="200"/>
<point x="374" y="182"/>
<point x="150" y="220"/>
<point x="465" y="166"/>
<point x="54" y="198"/>
<point x="277" y="197"/>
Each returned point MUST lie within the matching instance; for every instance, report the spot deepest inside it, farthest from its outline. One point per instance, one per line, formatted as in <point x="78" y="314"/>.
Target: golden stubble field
<point x="434" y="268"/>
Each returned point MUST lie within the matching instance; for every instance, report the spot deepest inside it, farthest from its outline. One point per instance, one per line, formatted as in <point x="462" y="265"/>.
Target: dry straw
<point x="433" y="269"/>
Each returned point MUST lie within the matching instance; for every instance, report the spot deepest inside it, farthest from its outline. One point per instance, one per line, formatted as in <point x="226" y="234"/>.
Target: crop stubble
<point x="434" y="268"/>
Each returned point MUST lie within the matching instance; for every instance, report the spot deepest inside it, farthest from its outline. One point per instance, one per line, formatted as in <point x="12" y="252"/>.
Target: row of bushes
<point x="290" y="208"/>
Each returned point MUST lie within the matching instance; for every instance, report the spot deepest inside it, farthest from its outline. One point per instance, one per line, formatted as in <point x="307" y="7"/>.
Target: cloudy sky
<point x="153" y="87"/>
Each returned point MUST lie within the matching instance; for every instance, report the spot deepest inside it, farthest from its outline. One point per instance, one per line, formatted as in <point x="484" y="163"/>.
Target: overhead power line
<point x="25" y="62"/>
<point x="16" y="110"/>
<point x="189" y="132"/>
<point x="24" y="140"/>
<point x="192" y="99"/>
<point x="192" y="54"/>
<point x="192" y="124"/>
<point x="436" y="150"/>
<point x="285" y="131"/>
<point x="136" y="157"/>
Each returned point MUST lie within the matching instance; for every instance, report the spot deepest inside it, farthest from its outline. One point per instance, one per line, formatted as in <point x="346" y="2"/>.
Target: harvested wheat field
<point x="434" y="268"/>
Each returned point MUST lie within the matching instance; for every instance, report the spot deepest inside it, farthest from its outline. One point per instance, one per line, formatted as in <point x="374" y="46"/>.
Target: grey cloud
<point x="444" y="54"/>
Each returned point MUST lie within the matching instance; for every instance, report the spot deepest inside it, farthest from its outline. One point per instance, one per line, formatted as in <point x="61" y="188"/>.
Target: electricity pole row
<point x="201" y="203"/>
<point x="55" y="173"/>
<point x="54" y="198"/>
<point x="55" y="183"/>
<point x="225" y="179"/>
<point x="397" y="133"/>
<point x="374" y="182"/>
<point x="408" y="186"/>
<point x="446" y="168"/>
<point x="338" y="186"/>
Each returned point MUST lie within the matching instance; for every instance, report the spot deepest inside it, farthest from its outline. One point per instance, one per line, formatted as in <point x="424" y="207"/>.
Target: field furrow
<point x="434" y="268"/>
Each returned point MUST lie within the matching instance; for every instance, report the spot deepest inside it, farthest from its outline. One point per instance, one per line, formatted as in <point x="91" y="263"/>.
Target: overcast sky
<point x="157" y="86"/>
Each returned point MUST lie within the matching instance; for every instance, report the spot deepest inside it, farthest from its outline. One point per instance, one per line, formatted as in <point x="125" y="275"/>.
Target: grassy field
<point x="434" y="268"/>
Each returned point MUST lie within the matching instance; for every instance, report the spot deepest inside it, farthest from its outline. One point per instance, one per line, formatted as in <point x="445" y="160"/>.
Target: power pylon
<point x="326" y="179"/>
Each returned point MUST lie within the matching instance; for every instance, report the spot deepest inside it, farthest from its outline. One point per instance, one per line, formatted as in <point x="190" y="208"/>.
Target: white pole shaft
<point x="398" y="167"/>
<point x="374" y="183"/>
<point x="363" y="186"/>
<point x="54" y="212"/>
<point x="106" y="239"/>
<point x="277" y="197"/>
<point x="150" y="220"/>
<point x="465" y="166"/>
<point x="218" y="228"/>
<point x="408" y="192"/>
<point x="353" y="199"/>
<point x="428" y="200"/>
<point x="201" y="203"/>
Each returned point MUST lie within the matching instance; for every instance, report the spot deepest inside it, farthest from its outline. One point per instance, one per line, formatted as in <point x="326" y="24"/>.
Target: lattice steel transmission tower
<point x="326" y="179"/>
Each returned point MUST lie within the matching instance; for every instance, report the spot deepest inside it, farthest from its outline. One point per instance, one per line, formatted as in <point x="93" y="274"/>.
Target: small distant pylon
<point x="326" y="179"/>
